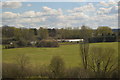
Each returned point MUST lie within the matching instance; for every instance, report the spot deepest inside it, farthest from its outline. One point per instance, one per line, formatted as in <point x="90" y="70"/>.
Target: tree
<point x="7" y="32"/>
<point x="47" y="43"/>
<point x="34" y="30"/>
<point x="84" y="46"/>
<point x="102" y="61"/>
<point x="62" y="33"/>
<point x="22" y="61"/>
<point x="86" y="33"/>
<point x="103" y="31"/>
<point x="52" y="32"/>
<point x="24" y="34"/>
<point x="57" y="67"/>
<point x="27" y="34"/>
<point x="43" y="33"/>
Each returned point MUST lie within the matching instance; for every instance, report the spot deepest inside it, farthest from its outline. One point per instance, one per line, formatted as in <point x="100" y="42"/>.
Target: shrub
<point x="115" y="74"/>
<point x="9" y="46"/>
<point x="73" y="72"/>
<point x="11" y="70"/>
<point x="47" y="43"/>
<point x="76" y="72"/>
<point x="40" y="71"/>
<point x="22" y="43"/>
<point x="56" y="67"/>
<point x="16" y="44"/>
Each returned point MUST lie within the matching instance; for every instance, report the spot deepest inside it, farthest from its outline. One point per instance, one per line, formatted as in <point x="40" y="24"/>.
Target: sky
<point x="52" y="14"/>
<point x="61" y="0"/>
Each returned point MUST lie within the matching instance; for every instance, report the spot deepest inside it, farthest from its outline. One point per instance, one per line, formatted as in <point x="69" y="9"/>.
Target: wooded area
<point x="20" y="37"/>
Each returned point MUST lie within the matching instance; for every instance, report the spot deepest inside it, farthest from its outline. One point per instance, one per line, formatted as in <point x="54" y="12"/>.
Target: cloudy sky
<point x="60" y="14"/>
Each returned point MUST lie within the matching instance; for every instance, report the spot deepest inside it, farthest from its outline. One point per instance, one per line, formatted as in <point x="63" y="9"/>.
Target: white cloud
<point x="49" y="11"/>
<point x="50" y="17"/>
<point x="104" y="10"/>
<point x="108" y="20"/>
<point x="19" y="25"/>
<point x="85" y="8"/>
<point x="112" y="2"/>
<point x="104" y="3"/>
<point x="26" y="18"/>
<point x="28" y="14"/>
<point x="109" y="3"/>
<point x="12" y="5"/>
<point x="31" y="20"/>
<point x="77" y="16"/>
<point x="10" y="15"/>
<point x="61" y="17"/>
<point x="114" y="10"/>
<point x="29" y="5"/>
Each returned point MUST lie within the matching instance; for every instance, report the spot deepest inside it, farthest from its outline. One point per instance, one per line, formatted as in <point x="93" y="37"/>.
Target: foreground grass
<point x="42" y="56"/>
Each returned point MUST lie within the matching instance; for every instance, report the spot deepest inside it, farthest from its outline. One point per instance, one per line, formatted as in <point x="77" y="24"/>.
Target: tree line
<point x="23" y="36"/>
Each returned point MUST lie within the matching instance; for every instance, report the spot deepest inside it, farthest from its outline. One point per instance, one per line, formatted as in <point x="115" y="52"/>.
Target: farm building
<point x="70" y="40"/>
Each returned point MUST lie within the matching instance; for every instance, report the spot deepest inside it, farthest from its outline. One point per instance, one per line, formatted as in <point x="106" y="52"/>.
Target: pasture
<point x="42" y="56"/>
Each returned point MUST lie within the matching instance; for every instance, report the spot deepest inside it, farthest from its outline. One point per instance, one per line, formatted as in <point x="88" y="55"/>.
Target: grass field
<point x="41" y="56"/>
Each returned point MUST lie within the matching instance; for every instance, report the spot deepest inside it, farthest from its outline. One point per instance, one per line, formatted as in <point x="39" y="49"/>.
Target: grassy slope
<point x="39" y="56"/>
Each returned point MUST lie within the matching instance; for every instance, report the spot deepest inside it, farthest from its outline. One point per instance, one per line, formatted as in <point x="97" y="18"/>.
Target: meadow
<point x="42" y="56"/>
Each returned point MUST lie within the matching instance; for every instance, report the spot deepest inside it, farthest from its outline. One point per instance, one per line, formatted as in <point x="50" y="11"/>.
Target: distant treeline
<point x="101" y="34"/>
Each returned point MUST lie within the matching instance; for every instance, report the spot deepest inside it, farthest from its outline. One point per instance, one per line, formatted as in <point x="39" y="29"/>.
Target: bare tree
<point x="84" y="46"/>
<point x="102" y="61"/>
<point x="22" y="61"/>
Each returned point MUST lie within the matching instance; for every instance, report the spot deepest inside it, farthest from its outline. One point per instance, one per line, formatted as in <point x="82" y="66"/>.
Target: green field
<point x="41" y="56"/>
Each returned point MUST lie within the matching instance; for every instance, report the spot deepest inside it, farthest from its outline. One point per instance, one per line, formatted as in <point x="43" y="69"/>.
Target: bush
<point x="115" y="74"/>
<point x="57" y="67"/>
<point x="18" y="70"/>
<point x="9" y="70"/>
<point x="22" y="43"/>
<point x="73" y="72"/>
<point x="40" y="71"/>
<point x="47" y="43"/>
<point x="9" y="46"/>
<point x="77" y="72"/>
<point x="16" y="44"/>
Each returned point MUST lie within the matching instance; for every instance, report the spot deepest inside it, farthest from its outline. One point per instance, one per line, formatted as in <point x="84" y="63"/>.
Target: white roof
<point x="70" y="40"/>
